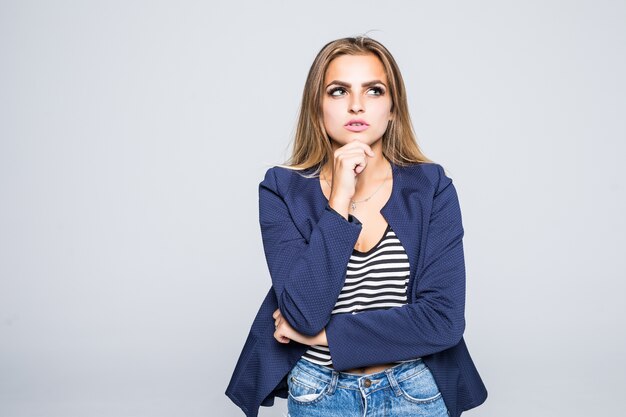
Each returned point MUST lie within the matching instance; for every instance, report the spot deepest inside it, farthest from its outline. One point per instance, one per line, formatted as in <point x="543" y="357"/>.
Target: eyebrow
<point x="348" y="85"/>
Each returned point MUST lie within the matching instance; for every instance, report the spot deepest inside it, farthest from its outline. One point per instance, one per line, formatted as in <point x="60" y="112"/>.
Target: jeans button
<point x="367" y="383"/>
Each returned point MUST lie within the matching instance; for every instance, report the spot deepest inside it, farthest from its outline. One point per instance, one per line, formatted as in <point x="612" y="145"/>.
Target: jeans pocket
<point x="420" y="386"/>
<point x="305" y="388"/>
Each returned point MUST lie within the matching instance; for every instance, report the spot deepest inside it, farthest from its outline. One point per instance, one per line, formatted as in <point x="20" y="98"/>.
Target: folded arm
<point x="434" y="322"/>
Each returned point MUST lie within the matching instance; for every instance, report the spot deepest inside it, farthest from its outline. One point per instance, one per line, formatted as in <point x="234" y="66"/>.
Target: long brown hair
<point x="312" y="148"/>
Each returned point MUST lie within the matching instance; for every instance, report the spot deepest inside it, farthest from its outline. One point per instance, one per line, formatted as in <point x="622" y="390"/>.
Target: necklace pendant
<point x="353" y="206"/>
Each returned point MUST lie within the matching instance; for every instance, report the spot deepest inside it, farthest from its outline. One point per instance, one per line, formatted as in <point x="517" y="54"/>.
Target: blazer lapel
<point x="403" y="212"/>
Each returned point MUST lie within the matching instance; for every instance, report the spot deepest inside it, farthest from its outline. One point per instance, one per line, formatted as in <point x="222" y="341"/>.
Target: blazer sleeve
<point x="435" y="321"/>
<point x="307" y="275"/>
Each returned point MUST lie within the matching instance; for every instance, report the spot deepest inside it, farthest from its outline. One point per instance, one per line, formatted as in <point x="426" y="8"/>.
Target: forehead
<point x="356" y="68"/>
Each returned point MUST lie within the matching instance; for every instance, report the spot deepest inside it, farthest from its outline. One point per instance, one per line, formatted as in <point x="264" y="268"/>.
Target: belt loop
<point x="333" y="382"/>
<point x="392" y="382"/>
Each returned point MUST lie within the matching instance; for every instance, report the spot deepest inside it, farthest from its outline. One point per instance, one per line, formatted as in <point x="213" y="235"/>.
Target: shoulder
<point x="277" y="179"/>
<point x="431" y="173"/>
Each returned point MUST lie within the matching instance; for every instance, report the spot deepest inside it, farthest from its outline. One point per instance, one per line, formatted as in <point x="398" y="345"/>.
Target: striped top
<point x="375" y="280"/>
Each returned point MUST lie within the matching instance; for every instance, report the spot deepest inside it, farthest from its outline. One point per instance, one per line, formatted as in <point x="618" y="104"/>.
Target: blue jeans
<point x="407" y="389"/>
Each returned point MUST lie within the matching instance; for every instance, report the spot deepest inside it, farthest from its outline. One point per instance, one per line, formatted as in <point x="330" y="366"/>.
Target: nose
<point x="356" y="106"/>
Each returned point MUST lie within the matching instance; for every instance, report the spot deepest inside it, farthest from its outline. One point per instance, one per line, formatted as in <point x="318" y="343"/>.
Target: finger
<point x="367" y="148"/>
<point x="352" y="152"/>
<point x="357" y="144"/>
<point x="356" y="162"/>
<point x="280" y="338"/>
<point x="352" y="159"/>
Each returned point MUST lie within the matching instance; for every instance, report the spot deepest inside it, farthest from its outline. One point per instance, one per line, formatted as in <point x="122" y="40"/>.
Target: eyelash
<point x="379" y="91"/>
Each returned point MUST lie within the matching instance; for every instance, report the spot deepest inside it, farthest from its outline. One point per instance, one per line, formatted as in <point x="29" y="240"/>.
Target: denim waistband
<point x="364" y="382"/>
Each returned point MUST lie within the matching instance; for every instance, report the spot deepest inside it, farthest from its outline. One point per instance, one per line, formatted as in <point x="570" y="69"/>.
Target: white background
<point x="133" y="136"/>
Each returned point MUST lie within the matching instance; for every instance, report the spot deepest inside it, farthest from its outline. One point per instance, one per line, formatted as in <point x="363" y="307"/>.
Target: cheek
<point x="382" y="109"/>
<point x="330" y="111"/>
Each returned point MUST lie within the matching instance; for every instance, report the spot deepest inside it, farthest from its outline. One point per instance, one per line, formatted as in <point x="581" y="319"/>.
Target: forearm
<point x="307" y="276"/>
<point x="399" y="333"/>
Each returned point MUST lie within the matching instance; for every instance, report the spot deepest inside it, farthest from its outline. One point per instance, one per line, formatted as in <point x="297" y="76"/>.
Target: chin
<point x="364" y="138"/>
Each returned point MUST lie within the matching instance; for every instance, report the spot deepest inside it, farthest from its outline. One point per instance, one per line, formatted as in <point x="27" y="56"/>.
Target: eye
<point x="376" y="91"/>
<point x="336" y="91"/>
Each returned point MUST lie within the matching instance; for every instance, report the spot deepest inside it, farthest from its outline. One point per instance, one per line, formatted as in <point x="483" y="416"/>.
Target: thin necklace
<point x="354" y="203"/>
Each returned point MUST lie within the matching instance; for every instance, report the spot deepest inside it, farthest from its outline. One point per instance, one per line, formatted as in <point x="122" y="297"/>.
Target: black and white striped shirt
<point x="376" y="279"/>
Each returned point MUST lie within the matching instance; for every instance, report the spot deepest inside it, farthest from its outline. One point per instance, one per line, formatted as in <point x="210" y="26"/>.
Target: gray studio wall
<point x="133" y="136"/>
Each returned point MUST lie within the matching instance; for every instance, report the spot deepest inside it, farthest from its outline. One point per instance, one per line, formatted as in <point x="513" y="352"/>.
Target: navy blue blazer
<point x="307" y="246"/>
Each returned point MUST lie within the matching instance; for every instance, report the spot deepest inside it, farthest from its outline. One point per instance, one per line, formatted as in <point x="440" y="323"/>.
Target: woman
<point x="363" y="239"/>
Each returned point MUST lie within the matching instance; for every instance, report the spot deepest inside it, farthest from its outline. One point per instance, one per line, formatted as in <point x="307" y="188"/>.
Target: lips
<point x="356" y="125"/>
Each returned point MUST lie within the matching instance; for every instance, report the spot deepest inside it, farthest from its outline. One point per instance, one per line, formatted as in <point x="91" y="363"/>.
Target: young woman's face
<point x="356" y="102"/>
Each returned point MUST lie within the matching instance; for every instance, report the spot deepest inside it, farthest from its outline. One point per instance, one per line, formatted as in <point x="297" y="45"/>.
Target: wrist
<point x="340" y="204"/>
